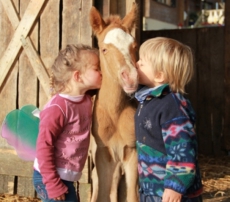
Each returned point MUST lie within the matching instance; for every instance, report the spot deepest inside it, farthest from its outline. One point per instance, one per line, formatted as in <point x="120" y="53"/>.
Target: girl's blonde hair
<point x="67" y="61"/>
<point x="172" y="58"/>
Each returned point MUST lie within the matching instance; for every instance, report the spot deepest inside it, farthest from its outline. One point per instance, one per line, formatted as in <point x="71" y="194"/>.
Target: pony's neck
<point x="112" y="95"/>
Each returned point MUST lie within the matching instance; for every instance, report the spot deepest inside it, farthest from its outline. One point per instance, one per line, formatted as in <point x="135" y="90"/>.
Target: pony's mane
<point x="113" y="19"/>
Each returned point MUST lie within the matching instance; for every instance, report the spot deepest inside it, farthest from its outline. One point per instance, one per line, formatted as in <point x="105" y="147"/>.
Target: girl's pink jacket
<point x="63" y="141"/>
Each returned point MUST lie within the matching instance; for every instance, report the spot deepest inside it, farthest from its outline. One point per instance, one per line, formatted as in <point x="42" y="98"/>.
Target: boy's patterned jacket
<point x="166" y="143"/>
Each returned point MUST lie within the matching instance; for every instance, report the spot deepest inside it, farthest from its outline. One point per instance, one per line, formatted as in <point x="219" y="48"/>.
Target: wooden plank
<point x="189" y="38"/>
<point x="49" y="40"/>
<point x="216" y="83"/>
<point x="203" y="93"/>
<point x="105" y="10"/>
<point x="11" y="12"/>
<point x="23" y="29"/>
<point x="86" y="173"/>
<point x="85" y="192"/>
<point x="85" y="28"/>
<point x="226" y="130"/>
<point x="27" y="44"/>
<point x="139" y="25"/>
<point x="12" y="161"/>
<point x="27" y="79"/>
<point x="114" y="9"/>
<point x="8" y="91"/>
<point x="72" y="22"/>
<point x="25" y="187"/>
<point x="6" y="184"/>
<point x="37" y="65"/>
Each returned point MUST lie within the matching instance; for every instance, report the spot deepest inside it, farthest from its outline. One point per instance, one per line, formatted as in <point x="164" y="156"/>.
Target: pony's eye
<point x="104" y="50"/>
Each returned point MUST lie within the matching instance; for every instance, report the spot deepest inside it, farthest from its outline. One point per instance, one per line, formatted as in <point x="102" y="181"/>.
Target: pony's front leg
<point x="115" y="182"/>
<point x="94" y="185"/>
<point x="105" y="167"/>
<point x="130" y="167"/>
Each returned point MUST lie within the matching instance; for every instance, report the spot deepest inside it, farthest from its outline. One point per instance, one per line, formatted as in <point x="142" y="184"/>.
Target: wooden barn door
<point x="226" y="130"/>
<point x="31" y="34"/>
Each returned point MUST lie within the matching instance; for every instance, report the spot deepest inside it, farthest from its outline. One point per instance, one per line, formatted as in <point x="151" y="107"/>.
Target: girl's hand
<point x="171" y="196"/>
<point x="60" y="198"/>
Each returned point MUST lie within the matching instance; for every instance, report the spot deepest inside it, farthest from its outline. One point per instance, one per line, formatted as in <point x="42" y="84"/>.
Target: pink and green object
<point x="20" y="129"/>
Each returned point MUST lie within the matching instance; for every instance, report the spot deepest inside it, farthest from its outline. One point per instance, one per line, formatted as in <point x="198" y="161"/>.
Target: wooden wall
<point x="162" y="12"/>
<point x="31" y="34"/>
<point x="226" y="123"/>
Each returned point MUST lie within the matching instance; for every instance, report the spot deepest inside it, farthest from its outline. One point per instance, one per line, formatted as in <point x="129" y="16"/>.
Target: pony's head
<point x="117" y="47"/>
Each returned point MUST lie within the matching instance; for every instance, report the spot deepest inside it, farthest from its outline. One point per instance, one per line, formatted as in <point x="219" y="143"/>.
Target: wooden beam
<point x="23" y="29"/>
<point x="37" y="64"/>
<point x="11" y="12"/>
<point x="226" y="131"/>
<point x="33" y="57"/>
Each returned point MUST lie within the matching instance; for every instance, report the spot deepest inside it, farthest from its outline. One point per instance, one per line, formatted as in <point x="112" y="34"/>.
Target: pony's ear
<point x="96" y="21"/>
<point x="130" y="19"/>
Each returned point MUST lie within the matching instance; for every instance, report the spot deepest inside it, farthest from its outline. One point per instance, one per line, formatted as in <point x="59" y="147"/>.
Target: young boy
<point x="164" y="124"/>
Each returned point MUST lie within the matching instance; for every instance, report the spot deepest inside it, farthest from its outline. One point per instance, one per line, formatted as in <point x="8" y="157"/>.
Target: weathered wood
<point x="114" y="9"/>
<point x="85" y="28"/>
<point x="59" y="24"/>
<point x="37" y="65"/>
<point x="25" y="187"/>
<point x="8" y="95"/>
<point x="23" y="28"/>
<point x="71" y="29"/>
<point x="204" y="115"/>
<point x="161" y="12"/>
<point x="106" y="8"/>
<point x="85" y="178"/>
<point x="49" y="40"/>
<point x="27" y="79"/>
<point x="191" y="89"/>
<point x="217" y="92"/>
<point x="226" y="131"/>
<point x="76" y="28"/>
<point x="139" y="24"/>
<point x="30" y="51"/>
<point x="13" y="165"/>
<point x="12" y="14"/>
<point x="7" y="184"/>
<point x="85" y="192"/>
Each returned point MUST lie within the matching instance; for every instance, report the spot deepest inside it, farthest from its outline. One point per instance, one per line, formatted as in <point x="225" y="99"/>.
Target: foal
<point x="113" y="119"/>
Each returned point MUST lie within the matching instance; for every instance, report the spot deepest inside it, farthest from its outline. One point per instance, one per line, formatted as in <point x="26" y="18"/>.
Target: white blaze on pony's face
<point x="125" y="61"/>
<point x="120" y="39"/>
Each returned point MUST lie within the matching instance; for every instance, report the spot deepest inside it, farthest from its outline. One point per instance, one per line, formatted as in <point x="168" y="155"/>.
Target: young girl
<point x="164" y="124"/>
<point x="65" y="121"/>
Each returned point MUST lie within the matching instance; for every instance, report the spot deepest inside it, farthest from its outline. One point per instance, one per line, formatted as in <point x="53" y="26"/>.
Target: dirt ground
<point x="15" y="198"/>
<point x="215" y="175"/>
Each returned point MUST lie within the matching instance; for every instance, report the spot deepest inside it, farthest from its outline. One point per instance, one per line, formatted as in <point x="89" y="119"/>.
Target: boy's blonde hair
<point x="172" y="58"/>
<point x="67" y="61"/>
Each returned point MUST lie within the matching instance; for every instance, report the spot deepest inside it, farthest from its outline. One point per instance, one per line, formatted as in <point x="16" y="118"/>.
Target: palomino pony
<point x="115" y="157"/>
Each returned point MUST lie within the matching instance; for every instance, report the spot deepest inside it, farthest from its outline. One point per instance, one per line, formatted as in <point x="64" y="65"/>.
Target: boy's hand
<point x="171" y="196"/>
